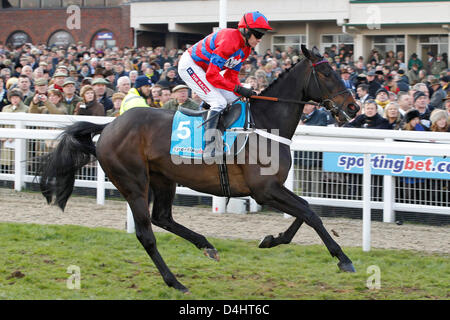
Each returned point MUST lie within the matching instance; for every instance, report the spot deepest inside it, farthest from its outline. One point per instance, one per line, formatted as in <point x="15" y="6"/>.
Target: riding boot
<point x="213" y="142"/>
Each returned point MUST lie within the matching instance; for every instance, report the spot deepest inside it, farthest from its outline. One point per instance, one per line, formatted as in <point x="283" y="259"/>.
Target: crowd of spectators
<point x="393" y="91"/>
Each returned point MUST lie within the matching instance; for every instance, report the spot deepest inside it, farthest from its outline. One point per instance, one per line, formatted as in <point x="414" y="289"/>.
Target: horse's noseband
<point x="328" y="103"/>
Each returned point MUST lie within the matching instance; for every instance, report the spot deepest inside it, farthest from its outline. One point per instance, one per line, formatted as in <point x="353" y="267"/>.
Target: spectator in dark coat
<point x="99" y="86"/>
<point x="313" y="117"/>
<point x="420" y="104"/>
<point x="371" y="119"/>
<point x="374" y="86"/>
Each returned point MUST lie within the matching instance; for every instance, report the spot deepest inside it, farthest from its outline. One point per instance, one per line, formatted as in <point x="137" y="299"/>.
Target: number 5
<point x="183" y="126"/>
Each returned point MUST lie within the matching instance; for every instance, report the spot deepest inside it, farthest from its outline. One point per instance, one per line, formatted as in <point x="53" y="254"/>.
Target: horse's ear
<point x="316" y="52"/>
<point x="306" y="52"/>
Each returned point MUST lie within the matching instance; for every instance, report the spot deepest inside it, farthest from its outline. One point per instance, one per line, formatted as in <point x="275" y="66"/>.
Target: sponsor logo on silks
<point x="232" y="62"/>
<point x="198" y="81"/>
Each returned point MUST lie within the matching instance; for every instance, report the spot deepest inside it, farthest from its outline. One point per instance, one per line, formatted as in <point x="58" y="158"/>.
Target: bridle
<point x="334" y="109"/>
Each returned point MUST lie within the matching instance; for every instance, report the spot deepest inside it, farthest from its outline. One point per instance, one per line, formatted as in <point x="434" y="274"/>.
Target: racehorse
<point x="133" y="151"/>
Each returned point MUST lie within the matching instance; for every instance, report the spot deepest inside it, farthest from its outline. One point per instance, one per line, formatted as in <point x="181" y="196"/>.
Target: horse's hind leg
<point x="283" y="199"/>
<point x="133" y="185"/>
<point x="144" y="233"/>
<point x="284" y="237"/>
<point x="164" y="192"/>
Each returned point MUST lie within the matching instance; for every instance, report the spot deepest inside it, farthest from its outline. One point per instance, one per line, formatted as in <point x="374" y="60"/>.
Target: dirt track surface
<point x="32" y="208"/>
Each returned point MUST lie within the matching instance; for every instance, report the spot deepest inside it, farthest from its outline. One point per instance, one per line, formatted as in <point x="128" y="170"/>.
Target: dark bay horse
<point x="133" y="150"/>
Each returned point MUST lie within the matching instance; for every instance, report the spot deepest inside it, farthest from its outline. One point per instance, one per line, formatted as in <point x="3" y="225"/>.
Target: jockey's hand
<point x="245" y="92"/>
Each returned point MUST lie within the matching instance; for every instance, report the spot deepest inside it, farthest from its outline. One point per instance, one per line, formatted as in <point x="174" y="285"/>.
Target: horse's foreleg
<point x="283" y="199"/>
<point x="164" y="192"/>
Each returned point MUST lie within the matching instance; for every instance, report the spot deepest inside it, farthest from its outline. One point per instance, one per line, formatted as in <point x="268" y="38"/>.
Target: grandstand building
<point x="415" y="26"/>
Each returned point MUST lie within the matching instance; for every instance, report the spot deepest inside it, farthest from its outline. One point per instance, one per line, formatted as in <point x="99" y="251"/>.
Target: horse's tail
<point x="58" y="168"/>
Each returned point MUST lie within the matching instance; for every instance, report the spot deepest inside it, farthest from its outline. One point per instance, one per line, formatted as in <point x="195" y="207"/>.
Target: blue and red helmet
<point x="254" y="20"/>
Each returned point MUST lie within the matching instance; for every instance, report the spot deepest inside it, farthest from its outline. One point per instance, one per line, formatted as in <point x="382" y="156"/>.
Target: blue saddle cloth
<point x="187" y="134"/>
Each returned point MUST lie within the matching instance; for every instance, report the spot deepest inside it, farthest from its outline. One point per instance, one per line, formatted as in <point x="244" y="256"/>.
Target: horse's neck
<point x="280" y="115"/>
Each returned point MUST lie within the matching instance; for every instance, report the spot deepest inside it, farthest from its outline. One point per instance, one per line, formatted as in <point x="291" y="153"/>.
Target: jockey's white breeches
<point x="195" y="78"/>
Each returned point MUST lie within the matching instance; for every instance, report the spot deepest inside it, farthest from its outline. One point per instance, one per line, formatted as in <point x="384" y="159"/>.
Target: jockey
<point x="136" y="97"/>
<point x="202" y="64"/>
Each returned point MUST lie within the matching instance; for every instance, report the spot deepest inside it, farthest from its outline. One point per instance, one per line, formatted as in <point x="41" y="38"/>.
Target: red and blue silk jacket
<point x="222" y="50"/>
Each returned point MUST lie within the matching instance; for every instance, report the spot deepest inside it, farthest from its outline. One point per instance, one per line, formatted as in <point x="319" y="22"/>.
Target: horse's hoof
<point x="266" y="242"/>
<point x="211" y="253"/>
<point x="346" y="267"/>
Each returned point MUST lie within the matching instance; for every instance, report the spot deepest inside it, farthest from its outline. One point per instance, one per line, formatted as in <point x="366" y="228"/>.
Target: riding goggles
<point x="257" y="34"/>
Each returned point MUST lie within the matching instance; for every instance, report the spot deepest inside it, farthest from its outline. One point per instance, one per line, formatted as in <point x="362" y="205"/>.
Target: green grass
<point x="115" y="266"/>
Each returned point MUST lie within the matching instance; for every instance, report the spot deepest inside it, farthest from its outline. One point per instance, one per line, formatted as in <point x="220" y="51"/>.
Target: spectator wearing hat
<point x="85" y="71"/>
<point x="382" y="100"/>
<point x="420" y="104"/>
<point x="70" y="100"/>
<point x="117" y="99"/>
<point x="137" y="96"/>
<point x="415" y="60"/>
<point x="181" y="98"/>
<point x="149" y="71"/>
<point x="438" y="66"/>
<point x="41" y="87"/>
<point x="447" y="104"/>
<point x="99" y="85"/>
<point x="413" y="74"/>
<point x="445" y="80"/>
<point x="170" y="79"/>
<point x="439" y="121"/>
<point x="373" y="84"/>
<point x="438" y="95"/>
<point x="15" y="96"/>
<point x="412" y="121"/>
<point x="370" y="119"/>
<point x="111" y="78"/>
<point x="89" y="106"/>
<point x="48" y="104"/>
<point x="430" y="60"/>
<point x="58" y="80"/>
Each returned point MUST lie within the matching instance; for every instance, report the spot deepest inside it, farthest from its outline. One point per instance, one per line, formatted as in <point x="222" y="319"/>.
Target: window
<point x="51" y="3"/>
<point x="339" y="40"/>
<point x="18" y="38"/>
<point x="283" y="42"/>
<point x="104" y="39"/>
<point x="60" y="39"/>
<point x="385" y="44"/>
<point x="440" y="42"/>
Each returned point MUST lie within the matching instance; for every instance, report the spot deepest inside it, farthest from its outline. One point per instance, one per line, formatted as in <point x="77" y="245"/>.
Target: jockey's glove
<point x="245" y="92"/>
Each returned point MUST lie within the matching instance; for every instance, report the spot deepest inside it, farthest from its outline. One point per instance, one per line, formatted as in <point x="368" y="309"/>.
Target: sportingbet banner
<point x="392" y="165"/>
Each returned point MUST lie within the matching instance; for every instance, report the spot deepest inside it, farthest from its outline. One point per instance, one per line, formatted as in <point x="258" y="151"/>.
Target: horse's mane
<point x="282" y="75"/>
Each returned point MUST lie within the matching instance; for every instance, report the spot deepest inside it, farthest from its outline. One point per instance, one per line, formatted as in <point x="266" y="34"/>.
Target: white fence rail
<point x="25" y="127"/>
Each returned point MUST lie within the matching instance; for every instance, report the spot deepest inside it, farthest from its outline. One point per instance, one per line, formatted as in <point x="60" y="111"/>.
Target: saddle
<point x="188" y="130"/>
<point x="229" y="116"/>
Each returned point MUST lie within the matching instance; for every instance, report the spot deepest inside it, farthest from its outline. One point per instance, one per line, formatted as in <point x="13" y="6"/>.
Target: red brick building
<point x="96" y="23"/>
